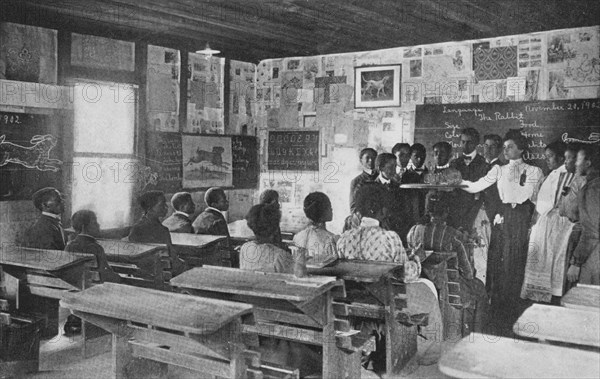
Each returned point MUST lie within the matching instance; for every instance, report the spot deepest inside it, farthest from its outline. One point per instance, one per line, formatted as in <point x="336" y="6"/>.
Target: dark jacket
<point x="178" y="223"/>
<point x="464" y="210"/>
<point x="45" y="233"/>
<point x="491" y="198"/>
<point x="149" y="231"/>
<point x="415" y="198"/>
<point x="356" y="183"/>
<point x="211" y="222"/>
<point x="88" y="245"/>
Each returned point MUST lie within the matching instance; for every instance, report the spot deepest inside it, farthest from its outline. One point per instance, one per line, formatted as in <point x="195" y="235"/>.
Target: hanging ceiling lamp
<point x="208" y="51"/>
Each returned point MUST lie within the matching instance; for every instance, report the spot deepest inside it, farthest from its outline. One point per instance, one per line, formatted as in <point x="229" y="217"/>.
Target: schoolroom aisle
<point x="410" y="190"/>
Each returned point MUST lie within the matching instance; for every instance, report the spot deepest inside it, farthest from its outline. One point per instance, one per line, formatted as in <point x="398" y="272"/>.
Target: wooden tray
<point x="432" y="186"/>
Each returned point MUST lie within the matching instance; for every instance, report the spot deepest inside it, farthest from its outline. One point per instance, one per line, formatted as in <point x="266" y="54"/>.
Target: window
<point x="105" y="167"/>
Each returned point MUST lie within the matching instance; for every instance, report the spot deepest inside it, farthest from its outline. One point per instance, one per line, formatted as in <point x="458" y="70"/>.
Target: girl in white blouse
<point x="517" y="182"/>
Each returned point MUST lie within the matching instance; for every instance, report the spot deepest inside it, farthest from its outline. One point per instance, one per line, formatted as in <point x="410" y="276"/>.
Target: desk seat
<point x="486" y="356"/>
<point x="560" y="324"/>
<point x="583" y="296"/>
<point x="160" y="328"/>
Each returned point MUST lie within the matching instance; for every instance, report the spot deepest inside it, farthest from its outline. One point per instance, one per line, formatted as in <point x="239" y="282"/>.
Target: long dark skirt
<point x="509" y="270"/>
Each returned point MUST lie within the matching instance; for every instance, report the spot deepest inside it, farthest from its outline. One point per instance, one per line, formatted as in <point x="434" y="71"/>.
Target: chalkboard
<point x="163" y="155"/>
<point x="293" y="150"/>
<point x="541" y="121"/>
<point x="30" y="154"/>
<point x="244" y="150"/>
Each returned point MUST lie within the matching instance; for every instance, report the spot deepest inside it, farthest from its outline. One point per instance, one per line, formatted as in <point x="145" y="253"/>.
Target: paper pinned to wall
<point x="163" y="79"/>
<point x="515" y="88"/>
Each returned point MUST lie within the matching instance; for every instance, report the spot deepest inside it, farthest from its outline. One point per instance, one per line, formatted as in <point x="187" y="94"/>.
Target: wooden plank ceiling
<point x="251" y="30"/>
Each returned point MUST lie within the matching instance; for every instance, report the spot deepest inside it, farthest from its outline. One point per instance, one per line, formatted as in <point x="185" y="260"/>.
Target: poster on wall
<point x="31" y="155"/>
<point x="207" y="161"/>
<point x="377" y="86"/>
<point x="293" y="150"/>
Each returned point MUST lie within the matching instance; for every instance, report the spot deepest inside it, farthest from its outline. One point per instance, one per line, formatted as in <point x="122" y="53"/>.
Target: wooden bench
<point x="486" y="356"/>
<point x="202" y="249"/>
<point x="138" y="264"/>
<point x="559" y="324"/>
<point x="583" y="296"/>
<point x="286" y="307"/>
<point x="375" y="290"/>
<point x="152" y="329"/>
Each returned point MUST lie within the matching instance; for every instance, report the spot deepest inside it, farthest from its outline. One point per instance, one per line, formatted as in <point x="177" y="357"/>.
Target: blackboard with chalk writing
<point x="244" y="152"/>
<point x="163" y="156"/>
<point x="293" y="150"/>
<point x="576" y="120"/>
<point x="31" y="154"/>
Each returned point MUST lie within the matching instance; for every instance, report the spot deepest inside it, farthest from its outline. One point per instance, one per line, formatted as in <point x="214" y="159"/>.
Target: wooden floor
<point x="60" y="357"/>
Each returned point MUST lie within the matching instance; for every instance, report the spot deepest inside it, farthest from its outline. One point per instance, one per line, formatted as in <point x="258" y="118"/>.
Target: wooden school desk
<point x="204" y="335"/>
<point x="376" y="290"/>
<point x="583" y="296"/>
<point x="486" y="356"/>
<point x="560" y="324"/>
<point x="138" y="264"/>
<point x="286" y="307"/>
<point x="202" y="249"/>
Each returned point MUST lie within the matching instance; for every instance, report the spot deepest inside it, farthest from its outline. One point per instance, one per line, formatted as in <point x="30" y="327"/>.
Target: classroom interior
<point x="107" y="100"/>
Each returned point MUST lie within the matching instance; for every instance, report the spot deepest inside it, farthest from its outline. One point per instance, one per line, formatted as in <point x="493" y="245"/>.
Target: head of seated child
<point x="216" y="198"/>
<point x="317" y="208"/>
<point x="85" y="222"/>
<point x="154" y="204"/>
<point x="263" y="220"/>
<point x="183" y="202"/>
<point x="49" y="200"/>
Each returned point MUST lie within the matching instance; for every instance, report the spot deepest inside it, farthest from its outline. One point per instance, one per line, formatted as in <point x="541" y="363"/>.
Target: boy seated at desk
<point x="211" y="220"/>
<point x="370" y="241"/>
<point x="149" y="229"/>
<point x="262" y="254"/>
<point x="87" y="228"/>
<point x="319" y="242"/>
<point x="47" y="232"/>
<point x="184" y="207"/>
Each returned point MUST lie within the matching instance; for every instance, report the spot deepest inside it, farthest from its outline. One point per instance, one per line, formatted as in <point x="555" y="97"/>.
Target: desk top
<point x="117" y="250"/>
<point x="583" y="296"/>
<point x="254" y="283"/>
<point x="361" y="271"/>
<point x="195" y="240"/>
<point x="170" y="310"/>
<point x="41" y="259"/>
<point x="486" y="356"/>
<point x="547" y="322"/>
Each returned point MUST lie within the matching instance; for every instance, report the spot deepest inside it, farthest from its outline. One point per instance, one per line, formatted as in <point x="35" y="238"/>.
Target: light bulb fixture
<point x="208" y="51"/>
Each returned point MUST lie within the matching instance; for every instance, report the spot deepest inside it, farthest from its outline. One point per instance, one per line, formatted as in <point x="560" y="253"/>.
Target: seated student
<point x="149" y="229"/>
<point x="319" y="242"/>
<point x="179" y="221"/>
<point x="211" y="220"/>
<point x="271" y="197"/>
<point x="262" y="254"/>
<point x="439" y="237"/>
<point x="47" y="232"/>
<point x="87" y="228"/>
<point x="370" y="241"/>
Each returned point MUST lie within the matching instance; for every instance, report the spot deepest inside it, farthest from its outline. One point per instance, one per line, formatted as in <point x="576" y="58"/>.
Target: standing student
<point x="368" y="175"/>
<point x="397" y="217"/>
<point x="585" y="263"/>
<point x="416" y="175"/>
<point x="516" y="183"/>
<point x="47" y="232"/>
<point x="492" y="150"/>
<point x="184" y="207"/>
<point x="211" y="220"/>
<point x="442" y="151"/>
<point x="472" y="167"/>
<point x="402" y="153"/>
<point x="545" y="270"/>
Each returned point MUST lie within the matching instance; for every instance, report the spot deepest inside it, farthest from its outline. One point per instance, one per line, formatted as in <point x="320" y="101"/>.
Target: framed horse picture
<point x="377" y="86"/>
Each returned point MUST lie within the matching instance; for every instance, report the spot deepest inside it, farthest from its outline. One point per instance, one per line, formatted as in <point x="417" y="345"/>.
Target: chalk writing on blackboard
<point x="244" y="153"/>
<point x="542" y="122"/>
<point x="293" y="150"/>
<point x="164" y="157"/>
